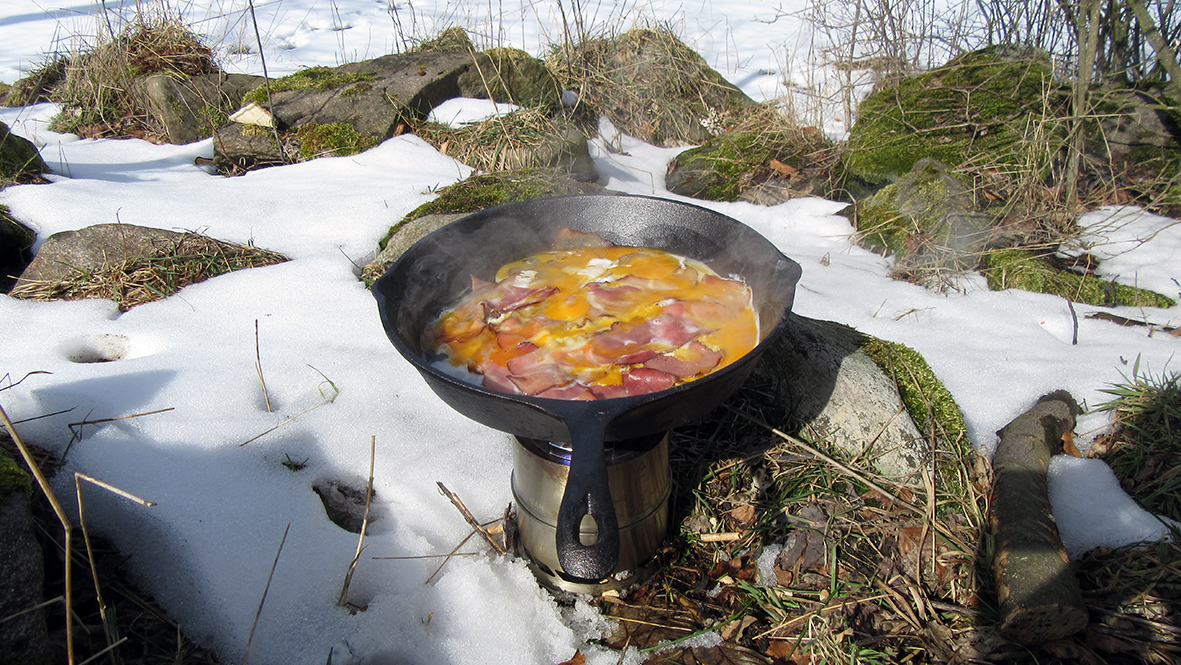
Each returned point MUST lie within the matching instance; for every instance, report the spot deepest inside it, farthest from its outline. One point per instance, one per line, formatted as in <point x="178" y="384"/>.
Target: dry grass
<point x="862" y="576"/>
<point x="506" y="143"/>
<point x="98" y="87"/>
<point x="650" y="85"/>
<point x="135" y="281"/>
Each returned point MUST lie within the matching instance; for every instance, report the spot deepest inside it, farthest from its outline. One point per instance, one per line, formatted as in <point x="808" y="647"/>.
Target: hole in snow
<point x="107" y="348"/>
<point x="96" y="349"/>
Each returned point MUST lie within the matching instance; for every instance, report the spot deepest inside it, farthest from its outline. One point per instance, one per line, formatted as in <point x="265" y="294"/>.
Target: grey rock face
<point x="836" y="392"/>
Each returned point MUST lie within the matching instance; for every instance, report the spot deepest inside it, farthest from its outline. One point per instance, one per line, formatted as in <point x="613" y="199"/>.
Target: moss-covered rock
<point x="491" y="189"/>
<point x="652" y="86"/>
<point x="1020" y="269"/>
<point x="525" y="138"/>
<point x="451" y="40"/>
<point x="334" y="139"/>
<point x="509" y="75"/>
<point x="40" y="85"/>
<point x="726" y="167"/>
<point x="929" y="220"/>
<point x="19" y="159"/>
<point x="980" y="103"/>
<point x="312" y="78"/>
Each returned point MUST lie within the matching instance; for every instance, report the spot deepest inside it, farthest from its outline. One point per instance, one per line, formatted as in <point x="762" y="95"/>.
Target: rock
<point x="111" y="261"/>
<point x="523" y="139"/>
<point x="512" y="76"/>
<point x="93" y="249"/>
<point x="406" y="234"/>
<point x="373" y="97"/>
<point x="833" y="390"/>
<point x="979" y="103"/>
<point x="1137" y="137"/>
<point x="929" y="220"/>
<point x="761" y="166"/>
<point x="345" y="502"/>
<point x="39" y="85"/>
<point x="24" y="639"/>
<point x="653" y="87"/>
<point x="19" y="159"/>
<point x="193" y="108"/>
<point x="16" y="241"/>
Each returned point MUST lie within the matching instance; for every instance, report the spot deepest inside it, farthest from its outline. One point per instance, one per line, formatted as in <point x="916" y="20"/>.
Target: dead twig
<point x="467" y="515"/>
<point x="256" y="438"/>
<point x="13" y="385"/>
<point x="447" y="557"/>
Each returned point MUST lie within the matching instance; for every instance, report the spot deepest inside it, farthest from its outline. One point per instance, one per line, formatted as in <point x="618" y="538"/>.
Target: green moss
<point x="357" y="88"/>
<point x="13" y="476"/>
<point x="928" y="220"/>
<point x="979" y="103"/>
<point x="337" y="139"/>
<point x="930" y="405"/>
<point x="312" y="78"/>
<point x="449" y="41"/>
<point x="214" y="116"/>
<point x="928" y="402"/>
<point x="722" y="168"/>
<point x="491" y="189"/>
<point x="1019" y="269"/>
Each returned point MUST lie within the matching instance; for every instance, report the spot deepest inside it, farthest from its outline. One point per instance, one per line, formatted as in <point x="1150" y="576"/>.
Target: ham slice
<point x="641" y="381"/>
<point x="694" y="359"/>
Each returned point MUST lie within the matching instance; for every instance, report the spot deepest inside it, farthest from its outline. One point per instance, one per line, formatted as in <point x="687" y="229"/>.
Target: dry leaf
<point x="783" y="169"/>
<point x="578" y="659"/>
<point x="1107" y="643"/>
<point x="744" y="514"/>
<point x="1073" y="651"/>
<point x="1068" y="446"/>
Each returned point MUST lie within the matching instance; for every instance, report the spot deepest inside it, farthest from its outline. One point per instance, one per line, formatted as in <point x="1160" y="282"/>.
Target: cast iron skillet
<point x="438" y="269"/>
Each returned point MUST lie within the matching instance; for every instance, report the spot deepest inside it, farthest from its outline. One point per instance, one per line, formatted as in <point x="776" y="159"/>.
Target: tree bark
<point x="1164" y="53"/>
<point x="1087" y="26"/>
<point x="1040" y="600"/>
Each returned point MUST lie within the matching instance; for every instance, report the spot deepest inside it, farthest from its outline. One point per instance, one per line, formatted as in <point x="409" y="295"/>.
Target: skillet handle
<point x="587" y="493"/>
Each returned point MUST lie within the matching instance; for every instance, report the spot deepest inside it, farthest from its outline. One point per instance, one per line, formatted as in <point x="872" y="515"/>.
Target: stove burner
<point x="638" y="478"/>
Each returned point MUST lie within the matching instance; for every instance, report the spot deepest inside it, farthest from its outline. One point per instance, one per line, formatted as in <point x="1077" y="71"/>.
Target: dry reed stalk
<point x="43" y="483"/>
<point x="307" y="410"/>
<point x="258" y="368"/>
<point x="265" y="590"/>
<point x="108" y="625"/>
<point x="78" y="434"/>
<point x="348" y="578"/>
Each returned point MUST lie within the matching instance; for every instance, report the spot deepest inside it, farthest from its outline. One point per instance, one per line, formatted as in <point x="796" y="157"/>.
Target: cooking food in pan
<point x="591" y="320"/>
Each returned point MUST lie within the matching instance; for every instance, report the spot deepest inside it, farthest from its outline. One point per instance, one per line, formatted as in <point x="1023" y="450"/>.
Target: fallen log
<point x="1039" y="596"/>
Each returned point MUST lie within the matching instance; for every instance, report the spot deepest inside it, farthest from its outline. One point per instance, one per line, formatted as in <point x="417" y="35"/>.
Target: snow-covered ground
<point x="206" y="548"/>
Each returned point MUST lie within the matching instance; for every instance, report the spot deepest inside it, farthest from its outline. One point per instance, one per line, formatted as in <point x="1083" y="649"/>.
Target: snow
<point x="213" y="464"/>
